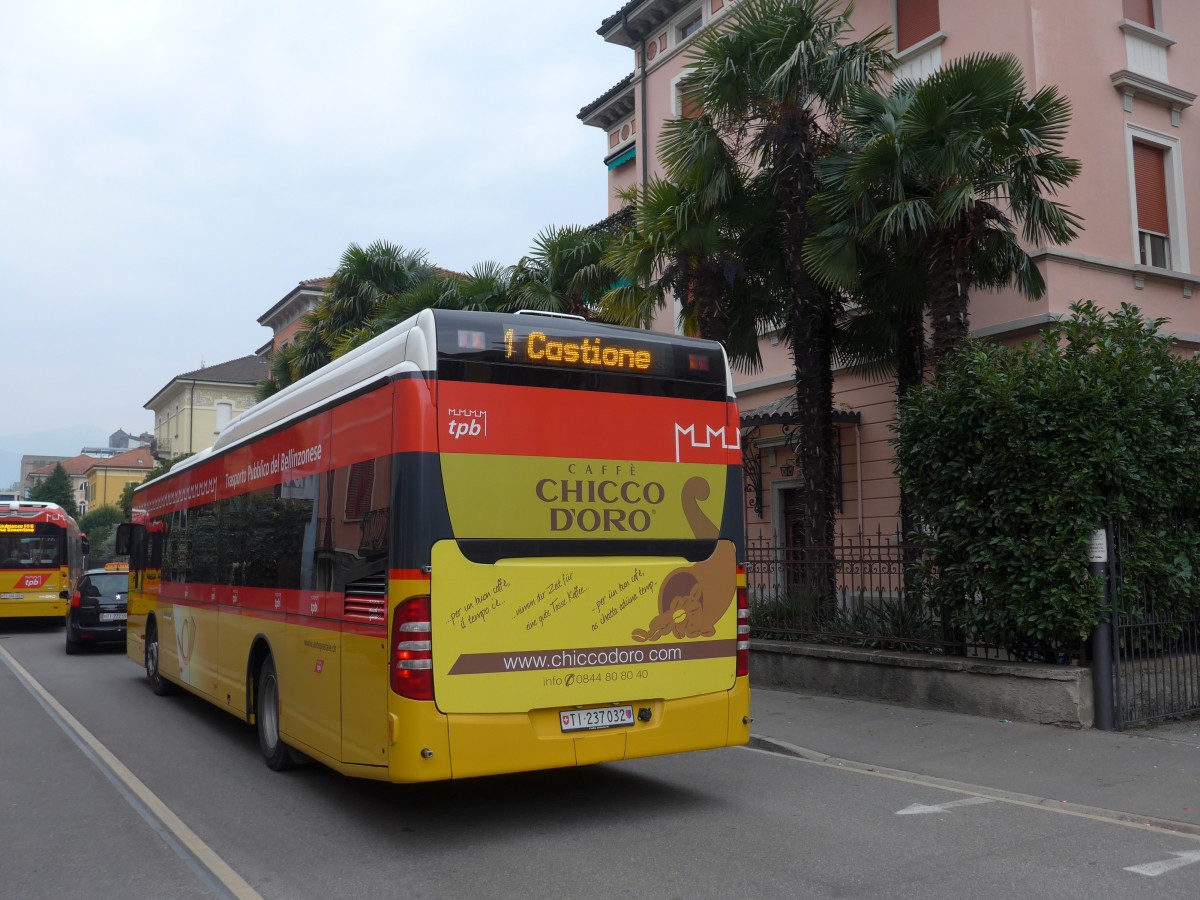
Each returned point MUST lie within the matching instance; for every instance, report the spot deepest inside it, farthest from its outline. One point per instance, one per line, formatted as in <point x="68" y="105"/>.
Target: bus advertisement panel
<point x="481" y="543"/>
<point x="41" y="559"/>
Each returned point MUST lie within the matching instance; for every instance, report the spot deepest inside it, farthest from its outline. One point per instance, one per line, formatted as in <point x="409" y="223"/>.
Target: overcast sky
<point x="170" y="169"/>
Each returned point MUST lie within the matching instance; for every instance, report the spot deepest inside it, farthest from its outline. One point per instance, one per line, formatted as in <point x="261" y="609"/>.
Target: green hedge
<point x="1014" y="455"/>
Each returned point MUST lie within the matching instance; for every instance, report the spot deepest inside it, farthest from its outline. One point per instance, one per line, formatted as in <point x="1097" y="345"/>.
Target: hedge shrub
<point x="1014" y="455"/>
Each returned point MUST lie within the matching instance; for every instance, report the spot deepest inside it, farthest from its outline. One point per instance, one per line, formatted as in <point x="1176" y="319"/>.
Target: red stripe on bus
<point x="512" y="420"/>
<point x="397" y="418"/>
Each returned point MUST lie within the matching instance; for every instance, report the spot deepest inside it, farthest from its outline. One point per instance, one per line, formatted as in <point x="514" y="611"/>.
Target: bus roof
<point x="33" y="511"/>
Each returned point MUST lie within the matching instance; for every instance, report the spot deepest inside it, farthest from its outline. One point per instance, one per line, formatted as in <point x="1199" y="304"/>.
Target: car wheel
<point x="72" y="646"/>
<point x="158" y="684"/>
<point x="266" y="716"/>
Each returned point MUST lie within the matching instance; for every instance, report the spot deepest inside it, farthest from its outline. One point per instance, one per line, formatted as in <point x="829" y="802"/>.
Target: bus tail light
<point x="743" y="625"/>
<point x="412" y="654"/>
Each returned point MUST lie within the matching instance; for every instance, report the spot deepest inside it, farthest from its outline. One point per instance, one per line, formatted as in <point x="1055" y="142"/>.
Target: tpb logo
<point x="467" y="423"/>
<point x="33" y="581"/>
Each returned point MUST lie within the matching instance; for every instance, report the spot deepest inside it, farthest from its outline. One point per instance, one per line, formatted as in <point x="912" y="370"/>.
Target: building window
<point x="1153" y="211"/>
<point x="1140" y="11"/>
<point x="915" y="21"/>
<point x="684" y="103"/>
<point x="688" y="25"/>
<point x="224" y="414"/>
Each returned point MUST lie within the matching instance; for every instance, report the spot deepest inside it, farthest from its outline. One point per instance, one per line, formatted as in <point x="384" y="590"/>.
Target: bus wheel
<point x="158" y="684"/>
<point x="266" y="716"/>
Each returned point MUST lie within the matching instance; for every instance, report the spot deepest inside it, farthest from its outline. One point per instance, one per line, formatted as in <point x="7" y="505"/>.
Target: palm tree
<point x="486" y="288"/>
<point x="772" y="84"/>
<point x="365" y="280"/>
<point x="937" y="173"/>
<point x="563" y="272"/>
<point x="717" y="261"/>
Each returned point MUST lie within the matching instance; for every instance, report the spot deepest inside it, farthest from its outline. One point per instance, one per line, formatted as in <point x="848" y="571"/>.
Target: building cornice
<point x="610" y="107"/>
<point x="1139" y="273"/>
<point x="314" y="289"/>
<point x="633" y="21"/>
<point x="1134" y="86"/>
<point x="1146" y="33"/>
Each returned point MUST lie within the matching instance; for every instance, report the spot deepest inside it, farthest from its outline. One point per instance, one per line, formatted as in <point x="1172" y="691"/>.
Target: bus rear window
<point x="39" y="546"/>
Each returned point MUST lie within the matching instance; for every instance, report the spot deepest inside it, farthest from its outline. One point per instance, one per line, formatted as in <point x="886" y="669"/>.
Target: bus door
<point x="361" y="509"/>
<point x="310" y="666"/>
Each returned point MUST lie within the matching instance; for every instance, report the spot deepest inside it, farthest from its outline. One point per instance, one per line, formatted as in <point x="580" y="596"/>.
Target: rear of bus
<point x="36" y="574"/>
<point x="587" y="606"/>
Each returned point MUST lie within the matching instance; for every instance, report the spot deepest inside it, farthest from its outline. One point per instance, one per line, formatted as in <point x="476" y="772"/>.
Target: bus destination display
<point x="595" y="352"/>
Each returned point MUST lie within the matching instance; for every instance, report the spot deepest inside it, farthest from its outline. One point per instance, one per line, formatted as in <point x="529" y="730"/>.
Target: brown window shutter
<point x="1140" y="11"/>
<point x="1150" y="183"/>
<point x="689" y="105"/>
<point x="915" y="21"/>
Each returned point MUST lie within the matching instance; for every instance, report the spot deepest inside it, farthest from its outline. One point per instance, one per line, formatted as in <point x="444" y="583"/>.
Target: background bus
<point x="480" y="543"/>
<point x="41" y="558"/>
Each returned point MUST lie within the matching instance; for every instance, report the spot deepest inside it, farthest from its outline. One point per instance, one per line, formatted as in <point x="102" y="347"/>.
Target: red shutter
<point x="1150" y="183"/>
<point x="916" y="20"/>
<point x="1140" y="11"/>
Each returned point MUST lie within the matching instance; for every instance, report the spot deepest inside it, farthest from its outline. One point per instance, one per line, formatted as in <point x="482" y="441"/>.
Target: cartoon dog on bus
<point x="693" y="598"/>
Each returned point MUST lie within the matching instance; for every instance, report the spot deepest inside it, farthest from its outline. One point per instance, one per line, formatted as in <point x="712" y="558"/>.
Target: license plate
<point x="11" y="596"/>
<point x="595" y="719"/>
<point x="113" y="617"/>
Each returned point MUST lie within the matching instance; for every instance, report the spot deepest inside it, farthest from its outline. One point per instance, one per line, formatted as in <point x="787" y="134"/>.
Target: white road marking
<point x="205" y="855"/>
<point x="1154" y="869"/>
<point x="918" y="809"/>
<point x="1182" y="830"/>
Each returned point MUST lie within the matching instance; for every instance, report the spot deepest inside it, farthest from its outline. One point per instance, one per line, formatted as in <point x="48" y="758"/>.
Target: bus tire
<point x="277" y="754"/>
<point x="158" y="684"/>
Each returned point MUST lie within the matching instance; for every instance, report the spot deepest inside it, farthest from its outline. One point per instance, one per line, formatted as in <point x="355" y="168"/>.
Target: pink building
<point x="284" y="317"/>
<point x="1128" y="69"/>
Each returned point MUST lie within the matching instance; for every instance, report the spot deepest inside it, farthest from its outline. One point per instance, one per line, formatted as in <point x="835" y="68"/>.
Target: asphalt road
<point x="720" y="824"/>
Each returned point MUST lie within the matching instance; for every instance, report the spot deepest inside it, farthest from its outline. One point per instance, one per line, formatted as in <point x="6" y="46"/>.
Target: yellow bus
<point x="41" y="559"/>
<point x="480" y="543"/>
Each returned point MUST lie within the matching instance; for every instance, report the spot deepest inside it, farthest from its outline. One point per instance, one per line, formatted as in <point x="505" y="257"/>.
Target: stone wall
<point x="1020" y="692"/>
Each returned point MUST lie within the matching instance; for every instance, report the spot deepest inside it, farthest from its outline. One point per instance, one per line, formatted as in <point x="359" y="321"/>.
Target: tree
<point x="937" y="175"/>
<point x="56" y="488"/>
<point x="722" y="263"/>
<point x="99" y="525"/>
<point x="365" y="280"/>
<point x="563" y="272"/>
<point x="486" y="288"/>
<point x="772" y="85"/>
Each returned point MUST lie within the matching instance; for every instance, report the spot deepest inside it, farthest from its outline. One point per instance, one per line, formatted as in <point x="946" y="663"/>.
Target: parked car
<point x="98" y="610"/>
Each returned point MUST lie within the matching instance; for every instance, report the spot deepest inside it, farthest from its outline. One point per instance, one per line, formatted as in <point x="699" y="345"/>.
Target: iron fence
<point x="1155" y="640"/>
<point x="854" y="593"/>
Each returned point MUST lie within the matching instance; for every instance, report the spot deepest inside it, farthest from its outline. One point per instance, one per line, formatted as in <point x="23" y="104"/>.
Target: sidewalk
<point x="1147" y="772"/>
